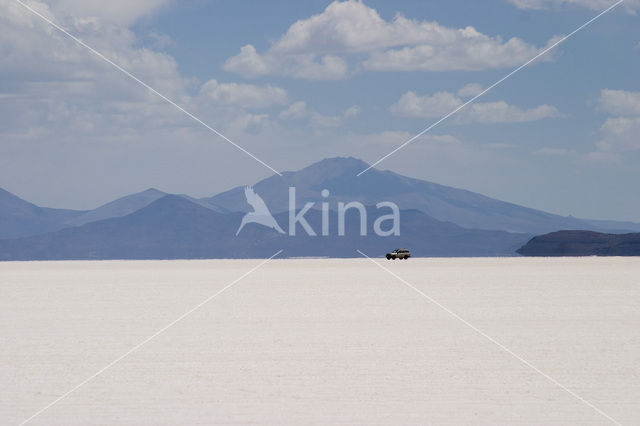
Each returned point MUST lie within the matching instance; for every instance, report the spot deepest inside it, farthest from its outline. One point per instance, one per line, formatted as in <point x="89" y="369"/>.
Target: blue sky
<point x="294" y="82"/>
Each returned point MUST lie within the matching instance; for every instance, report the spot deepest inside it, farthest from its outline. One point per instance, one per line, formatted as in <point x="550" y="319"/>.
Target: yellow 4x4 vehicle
<point x="399" y="254"/>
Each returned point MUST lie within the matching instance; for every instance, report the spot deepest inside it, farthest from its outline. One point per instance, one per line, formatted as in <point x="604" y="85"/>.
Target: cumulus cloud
<point x="437" y="105"/>
<point x="249" y="63"/>
<point x="319" y="121"/>
<point x="40" y="54"/>
<point x="470" y="90"/>
<point x="159" y="41"/>
<point x="501" y="112"/>
<point x="631" y="5"/>
<point x="123" y="12"/>
<point x="319" y="47"/>
<point x="70" y="92"/>
<point x="464" y="49"/>
<point x="296" y="111"/>
<point x="119" y="12"/>
<point x="442" y="103"/>
<point x="299" y="110"/>
<point x="73" y="94"/>
<point x="620" y="102"/>
<point x="250" y="123"/>
<point x="620" y="132"/>
<point x="244" y="95"/>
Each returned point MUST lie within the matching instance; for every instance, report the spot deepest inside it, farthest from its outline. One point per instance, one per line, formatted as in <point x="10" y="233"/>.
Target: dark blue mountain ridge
<point x="19" y="218"/>
<point x="119" y="207"/>
<point x="173" y="227"/>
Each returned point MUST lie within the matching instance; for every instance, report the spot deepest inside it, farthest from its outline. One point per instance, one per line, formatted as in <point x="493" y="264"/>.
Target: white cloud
<point x="296" y="111"/>
<point x="352" y="111"/>
<point x="160" y="41"/>
<point x="324" y="121"/>
<point x="244" y="95"/>
<point x="318" y="47"/>
<point x="465" y="49"/>
<point x="248" y="63"/>
<point x="620" y="102"/>
<point x="70" y="92"/>
<point x="437" y="105"/>
<point x="501" y="112"/>
<point x="43" y="56"/>
<point x="620" y="133"/>
<point x="442" y="103"/>
<point x="299" y="110"/>
<point x="470" y="90"/>
<point x="250" y="123"/>
<point x="630" y="5"/>
<point x="122" y="12"/>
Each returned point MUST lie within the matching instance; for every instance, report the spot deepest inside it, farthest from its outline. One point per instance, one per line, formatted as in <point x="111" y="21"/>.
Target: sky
<point x="295" y="82"/>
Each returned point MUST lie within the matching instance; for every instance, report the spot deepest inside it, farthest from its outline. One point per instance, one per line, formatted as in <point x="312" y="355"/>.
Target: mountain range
<point x="173" y="227"/>
<point x="464" y="208"/>
<point x="436" y="220"/>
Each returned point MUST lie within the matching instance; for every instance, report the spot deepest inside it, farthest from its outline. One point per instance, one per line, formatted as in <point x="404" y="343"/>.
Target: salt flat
<point x="322" y="341"/>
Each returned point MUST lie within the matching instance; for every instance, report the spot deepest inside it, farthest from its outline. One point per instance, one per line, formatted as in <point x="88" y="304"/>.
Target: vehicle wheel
<point x="393" y="257"/>
<point x="388" y="257"/>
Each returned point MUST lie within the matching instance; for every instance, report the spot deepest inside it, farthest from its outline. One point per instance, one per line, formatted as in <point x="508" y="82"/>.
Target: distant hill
<point x="126" y="205"/>
<point x="582" y="243"/>
<point x="173" y="227"/>
<point x="118" y="208"/>
<point x="19" y="218"/>
<point x="462" y="207"/>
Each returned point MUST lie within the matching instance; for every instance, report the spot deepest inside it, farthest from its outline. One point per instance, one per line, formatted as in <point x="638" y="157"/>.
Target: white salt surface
<point x="321" y="341"/>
